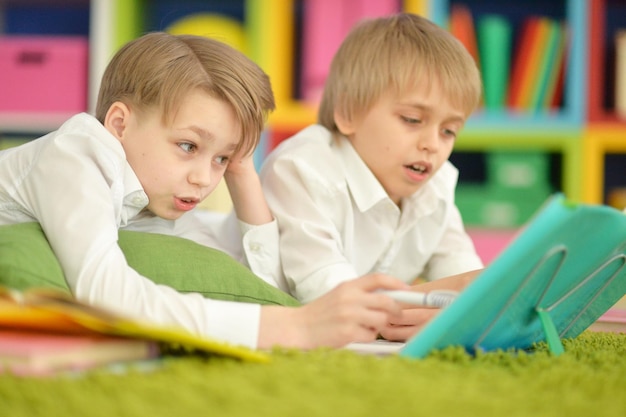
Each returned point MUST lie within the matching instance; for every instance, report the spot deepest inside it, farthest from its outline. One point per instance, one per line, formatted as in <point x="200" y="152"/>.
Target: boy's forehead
<point x="428" y="97"/>
<point x="206" y="115"/>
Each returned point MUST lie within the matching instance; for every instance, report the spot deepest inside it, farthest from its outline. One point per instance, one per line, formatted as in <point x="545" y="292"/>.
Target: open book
<point x="53" y="317"/>
<point x="564" y="269"/>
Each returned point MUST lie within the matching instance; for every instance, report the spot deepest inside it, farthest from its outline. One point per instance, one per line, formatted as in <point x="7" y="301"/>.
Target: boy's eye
<point x="449" y="133"/>
<point x="410" y="120"/>
<point x="222" y="160"/>
<point x="187" y="147"/>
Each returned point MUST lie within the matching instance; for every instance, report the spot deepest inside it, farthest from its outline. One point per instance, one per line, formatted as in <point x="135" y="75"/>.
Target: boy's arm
<point x="245" y="191"/>
<point x="259" y="240"/>
<point x="455" y="253"/>
<point x="352" y="312"/>
<point x="456" y="282"/>
<point x="412" y="320"/>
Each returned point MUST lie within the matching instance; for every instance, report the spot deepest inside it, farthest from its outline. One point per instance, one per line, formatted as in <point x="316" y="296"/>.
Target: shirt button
<point x="255" y="247"/>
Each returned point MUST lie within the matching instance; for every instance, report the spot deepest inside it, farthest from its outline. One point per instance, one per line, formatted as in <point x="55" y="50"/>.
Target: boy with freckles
<point x="369" y="188"/>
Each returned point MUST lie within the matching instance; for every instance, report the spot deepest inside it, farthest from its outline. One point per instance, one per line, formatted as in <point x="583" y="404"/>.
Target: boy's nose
<point x="428" y="140"/>
<point x="200" y="176"/>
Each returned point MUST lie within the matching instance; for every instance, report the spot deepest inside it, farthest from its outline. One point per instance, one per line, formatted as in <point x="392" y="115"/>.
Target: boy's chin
<point x="398" y="197"/>
<point x="167" y="214"/>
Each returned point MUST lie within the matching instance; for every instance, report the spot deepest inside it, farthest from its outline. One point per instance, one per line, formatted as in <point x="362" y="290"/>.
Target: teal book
<point x="494" y="46"/>
<point x="564" y="269"/>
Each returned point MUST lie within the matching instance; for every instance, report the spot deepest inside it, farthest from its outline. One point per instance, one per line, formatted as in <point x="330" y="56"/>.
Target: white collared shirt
<point x="337" y="223"/>
<point x="77" y="184"/>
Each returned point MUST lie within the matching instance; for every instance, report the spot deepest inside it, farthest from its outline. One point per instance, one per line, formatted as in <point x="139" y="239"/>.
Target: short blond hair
<point x="158" y="69"/>
<point x="395" y="53"/>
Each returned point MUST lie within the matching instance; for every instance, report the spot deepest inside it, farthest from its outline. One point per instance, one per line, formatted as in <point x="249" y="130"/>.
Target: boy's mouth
<point x="185" y="204"/>
<point x="419" y="168"/>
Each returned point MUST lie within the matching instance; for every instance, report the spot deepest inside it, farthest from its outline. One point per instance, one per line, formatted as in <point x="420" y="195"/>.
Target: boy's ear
<point x="116" y="119"/>
<point x="344" y="124"/>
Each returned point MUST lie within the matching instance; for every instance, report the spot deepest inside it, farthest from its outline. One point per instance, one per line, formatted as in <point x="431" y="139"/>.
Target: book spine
<point x="521" y="62"/>
<point x="462" y="27"/>
<point x="494" y="40"/>
<point x="555" y="96"/>
<point x="549" y="64"/>
<point x="620" y="73"/>
<point x="530" y="78"/>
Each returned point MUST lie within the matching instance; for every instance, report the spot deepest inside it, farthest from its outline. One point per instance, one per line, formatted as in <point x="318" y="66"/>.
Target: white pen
<point x="437" y="299"/>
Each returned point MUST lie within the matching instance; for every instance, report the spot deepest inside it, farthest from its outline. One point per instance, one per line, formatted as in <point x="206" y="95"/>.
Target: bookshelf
<point x="578" y="136"/>
<point x="605" y="131"/>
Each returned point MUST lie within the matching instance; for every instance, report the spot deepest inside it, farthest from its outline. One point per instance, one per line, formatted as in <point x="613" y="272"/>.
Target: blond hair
<point x="394" y="54"/>
<point x="158" y="69"/>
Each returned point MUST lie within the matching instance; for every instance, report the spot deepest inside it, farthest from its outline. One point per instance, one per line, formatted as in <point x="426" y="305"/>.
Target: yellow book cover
<point x="49" y="310"/>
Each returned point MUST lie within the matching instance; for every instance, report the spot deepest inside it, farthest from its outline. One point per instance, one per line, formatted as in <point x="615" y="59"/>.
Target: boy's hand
<point x="245" y="190"/>
<point x="240" y="165"/>
<point x="352" y="312"/>
<point x="408" y="324"/>
<point x="414" y="319"/>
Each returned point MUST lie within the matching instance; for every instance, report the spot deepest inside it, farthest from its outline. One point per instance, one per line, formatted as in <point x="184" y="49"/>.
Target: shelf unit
<point x="599" y="141"/>
<point x="583" y="131"/>
<point x="604" y="133"/>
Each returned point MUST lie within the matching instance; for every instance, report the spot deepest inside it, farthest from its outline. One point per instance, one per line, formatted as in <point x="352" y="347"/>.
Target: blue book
<point x="564" y="269"/>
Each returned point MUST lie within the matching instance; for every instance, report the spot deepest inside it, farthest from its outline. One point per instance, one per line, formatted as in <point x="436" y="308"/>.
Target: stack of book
<point x="538" y="68"/>
<point x="45" y="332"/>
<point x="527" y="76"/>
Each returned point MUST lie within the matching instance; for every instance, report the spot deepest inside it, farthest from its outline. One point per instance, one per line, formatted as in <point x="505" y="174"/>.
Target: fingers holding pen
<point x="354" y="310"/>
<point x="411" y="321"/>
<point x="373" y="299"/>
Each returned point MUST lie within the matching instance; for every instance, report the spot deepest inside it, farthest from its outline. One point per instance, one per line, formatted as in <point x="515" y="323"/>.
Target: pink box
<point x="326" y="24"/>
<point x="43" y="73"/>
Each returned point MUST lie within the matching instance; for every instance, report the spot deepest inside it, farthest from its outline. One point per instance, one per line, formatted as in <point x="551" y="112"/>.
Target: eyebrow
<point x="207" y="136"/>
<point x="204" y="134"/>
<point x="420" y="106"/>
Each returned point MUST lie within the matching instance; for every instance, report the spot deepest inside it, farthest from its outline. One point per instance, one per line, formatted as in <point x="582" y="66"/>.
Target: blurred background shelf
<point x="579" y="138"/>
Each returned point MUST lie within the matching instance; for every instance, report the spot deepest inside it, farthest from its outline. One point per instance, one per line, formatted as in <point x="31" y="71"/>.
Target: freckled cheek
<point x="160" y="174"/>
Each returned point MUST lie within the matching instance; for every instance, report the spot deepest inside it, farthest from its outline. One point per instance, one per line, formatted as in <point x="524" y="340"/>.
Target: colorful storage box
<point x="43" y="74"/>
<point x="521" y="171"/>
<point x="482" y="207"/>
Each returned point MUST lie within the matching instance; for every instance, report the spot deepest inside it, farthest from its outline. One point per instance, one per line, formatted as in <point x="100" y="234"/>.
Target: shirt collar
<point x="364" y="187"/>
<point x="367" y="191"/>
<point x="135" y="198"/>
<point x="434" y="193"/>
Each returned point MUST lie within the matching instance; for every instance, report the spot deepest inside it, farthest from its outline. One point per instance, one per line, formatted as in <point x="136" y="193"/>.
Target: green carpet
<point x="589" y="379"/>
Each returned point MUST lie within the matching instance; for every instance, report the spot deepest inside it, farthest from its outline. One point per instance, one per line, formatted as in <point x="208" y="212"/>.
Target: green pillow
<point x="26" y="260"/>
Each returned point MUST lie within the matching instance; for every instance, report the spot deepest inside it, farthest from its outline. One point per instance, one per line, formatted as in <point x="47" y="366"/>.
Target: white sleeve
<point x="455" y="254"/>
<point x="262" y="252"/>
<point x="78" y="207"/>
<point x="311" y="247"/>
<point x="255" y="246"/>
